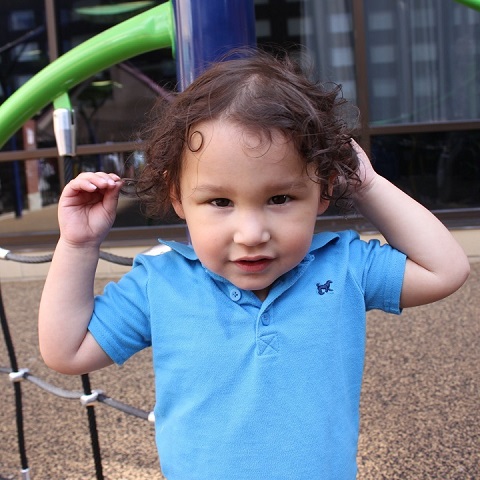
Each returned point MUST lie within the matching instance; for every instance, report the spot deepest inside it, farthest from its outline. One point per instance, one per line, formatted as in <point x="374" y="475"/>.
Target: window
<point x="423" y="61"/>
<point x="329" y="39"/>
<point x="440" y="170"/>
<point x="22" y="20"/>
<point x="26" y="52"/>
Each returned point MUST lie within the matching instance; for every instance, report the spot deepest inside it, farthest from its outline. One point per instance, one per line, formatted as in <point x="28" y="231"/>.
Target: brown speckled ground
<point x="420" y="403"/>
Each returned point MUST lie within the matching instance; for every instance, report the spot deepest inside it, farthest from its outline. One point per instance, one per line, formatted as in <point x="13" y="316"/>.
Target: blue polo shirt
<point x="248" y="389"/>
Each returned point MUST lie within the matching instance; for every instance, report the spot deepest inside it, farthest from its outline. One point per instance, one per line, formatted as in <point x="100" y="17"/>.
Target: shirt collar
<point x="319" y="240"/>
<point x="181" y="248"/>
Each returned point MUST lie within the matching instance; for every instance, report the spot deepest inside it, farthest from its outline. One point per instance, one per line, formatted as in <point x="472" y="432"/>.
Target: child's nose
<point x="251" y="229"/>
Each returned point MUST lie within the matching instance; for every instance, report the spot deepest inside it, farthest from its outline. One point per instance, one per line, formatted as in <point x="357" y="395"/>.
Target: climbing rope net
<point x="87" y="397"/>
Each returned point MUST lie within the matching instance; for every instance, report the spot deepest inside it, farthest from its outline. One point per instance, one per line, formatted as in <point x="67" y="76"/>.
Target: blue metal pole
<point x="206" y="30"/>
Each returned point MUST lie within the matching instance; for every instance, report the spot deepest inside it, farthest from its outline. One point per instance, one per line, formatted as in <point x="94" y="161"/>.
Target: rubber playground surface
<point x="420" y="403"/>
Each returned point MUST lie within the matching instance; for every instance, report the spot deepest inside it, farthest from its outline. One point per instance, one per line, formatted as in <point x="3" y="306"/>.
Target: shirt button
<point x="235" y="294"/>
<point x="265" y="319"/>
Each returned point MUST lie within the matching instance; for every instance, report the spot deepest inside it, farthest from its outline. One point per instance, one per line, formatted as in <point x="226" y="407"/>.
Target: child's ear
<point x="177" y="205"/>
<point x="331" y="183"/>
<point x="323" y="204"/>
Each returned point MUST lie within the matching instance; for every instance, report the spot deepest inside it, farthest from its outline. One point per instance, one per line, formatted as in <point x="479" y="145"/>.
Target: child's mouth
<point x="254" y="265"/>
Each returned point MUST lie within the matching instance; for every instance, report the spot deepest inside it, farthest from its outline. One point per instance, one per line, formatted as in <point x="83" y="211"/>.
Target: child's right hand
<point x="87" y="208"/>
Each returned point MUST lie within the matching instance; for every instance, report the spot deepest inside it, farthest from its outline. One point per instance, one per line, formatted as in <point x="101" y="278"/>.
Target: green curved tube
<point x="150" y="30"/>
<point x="471" y="3"/>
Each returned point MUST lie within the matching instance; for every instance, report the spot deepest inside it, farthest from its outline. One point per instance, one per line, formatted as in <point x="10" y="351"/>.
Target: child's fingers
<point x="92" y="181"/>
<point x="362" y="156"/>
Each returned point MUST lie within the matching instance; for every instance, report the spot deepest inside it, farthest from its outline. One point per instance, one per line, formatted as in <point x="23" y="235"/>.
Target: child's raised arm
<point x="436" y="266"/>
<point x="86" y="212"/>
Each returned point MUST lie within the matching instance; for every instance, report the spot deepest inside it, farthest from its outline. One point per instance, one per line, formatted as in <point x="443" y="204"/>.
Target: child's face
<point x="249" y="204"/>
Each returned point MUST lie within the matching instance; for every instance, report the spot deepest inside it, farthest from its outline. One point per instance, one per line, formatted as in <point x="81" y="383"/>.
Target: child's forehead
<point x="224" y="147"/>
<point x="251" y="137"/>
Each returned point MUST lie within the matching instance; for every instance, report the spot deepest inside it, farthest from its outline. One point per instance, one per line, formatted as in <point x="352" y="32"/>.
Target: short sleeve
<point x="121" y="320"/>
<point x="379" y="270"/>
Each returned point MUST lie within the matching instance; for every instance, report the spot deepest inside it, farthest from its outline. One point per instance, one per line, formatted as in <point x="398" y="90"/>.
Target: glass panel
<point x="23" y="43"/>
<point x="440" y="170"/>
<point x="19" y="80"/>
<point x="262" y="28"/>
<point x="26" y="52"/>
<point x="328" y="34"/>
<point x="22" y="20"/>
<point x="279" y="22"/>
<point x="423" y="61"/>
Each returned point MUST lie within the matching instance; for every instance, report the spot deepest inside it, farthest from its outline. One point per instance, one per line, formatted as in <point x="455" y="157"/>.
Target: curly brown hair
<point x="258" y="91"/>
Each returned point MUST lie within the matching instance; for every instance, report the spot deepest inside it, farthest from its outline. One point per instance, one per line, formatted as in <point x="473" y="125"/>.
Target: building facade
<point x="411" y="66"/>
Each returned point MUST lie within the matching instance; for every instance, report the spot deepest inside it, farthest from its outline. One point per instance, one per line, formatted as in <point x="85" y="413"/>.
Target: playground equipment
<point x="150" y="30"/>
<point x="185" y="26"/>
<point x="475" y="4"/>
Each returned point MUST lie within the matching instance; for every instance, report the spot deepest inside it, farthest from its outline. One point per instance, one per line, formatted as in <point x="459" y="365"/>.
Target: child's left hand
<point x="436" y="264"/>
<point x="366" y="173"/>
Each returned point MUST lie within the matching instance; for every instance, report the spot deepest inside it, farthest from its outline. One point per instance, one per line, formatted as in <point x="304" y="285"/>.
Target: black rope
<point x="17" y="388"/>
<point x="68" y="168"/>
<point x="22" y="449"/>
<point x="6" y="335"/>
<point x="92" y="423"/>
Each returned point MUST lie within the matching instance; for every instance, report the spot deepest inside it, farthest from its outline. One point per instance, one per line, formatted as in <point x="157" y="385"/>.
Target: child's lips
<point x="253" y="265"/>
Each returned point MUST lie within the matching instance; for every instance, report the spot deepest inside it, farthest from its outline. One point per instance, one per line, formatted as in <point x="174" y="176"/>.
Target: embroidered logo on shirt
<point x="323" y="289"/>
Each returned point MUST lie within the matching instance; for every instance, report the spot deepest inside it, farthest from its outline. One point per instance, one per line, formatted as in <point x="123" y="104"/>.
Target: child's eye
<point x="221" y="202"/>
<point x="279" y="199"/>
